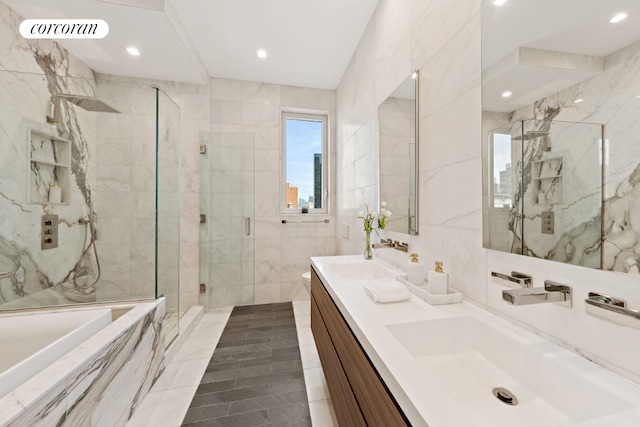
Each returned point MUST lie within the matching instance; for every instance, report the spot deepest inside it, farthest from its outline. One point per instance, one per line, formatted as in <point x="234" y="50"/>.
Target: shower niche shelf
<point x="49" y="164"/>
<point x="548" y="181"/>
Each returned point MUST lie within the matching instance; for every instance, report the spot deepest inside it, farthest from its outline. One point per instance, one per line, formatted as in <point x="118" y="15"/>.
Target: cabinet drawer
<point x="374" y="399"/>
<point x="344" y="402"/>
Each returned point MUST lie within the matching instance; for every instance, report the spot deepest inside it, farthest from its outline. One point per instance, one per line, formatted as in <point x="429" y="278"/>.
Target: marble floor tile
<point x="165" y="408"/>
<point x="309" y="355"/>
<point x="194" y="349"/>
<point x="305" y="337"/>
<point x="181" y="374"/>
<point x="322" y="413"/>
<point x="316" y="384"/>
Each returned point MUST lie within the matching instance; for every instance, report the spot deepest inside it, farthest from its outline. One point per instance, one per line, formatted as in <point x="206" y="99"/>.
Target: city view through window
<point x="303" y="163"/>
<point x="502" y="172"/>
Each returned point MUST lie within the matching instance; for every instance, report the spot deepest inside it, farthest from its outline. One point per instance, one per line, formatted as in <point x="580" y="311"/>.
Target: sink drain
<point x="505" y="396"/>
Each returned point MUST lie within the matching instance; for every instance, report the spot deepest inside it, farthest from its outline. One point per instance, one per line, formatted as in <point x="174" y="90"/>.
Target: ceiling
<point x="309" y="43"/>
<point x="580" y="27"/>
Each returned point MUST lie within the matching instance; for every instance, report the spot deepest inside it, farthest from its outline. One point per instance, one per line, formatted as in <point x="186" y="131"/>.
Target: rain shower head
<point x="88" y="103"/>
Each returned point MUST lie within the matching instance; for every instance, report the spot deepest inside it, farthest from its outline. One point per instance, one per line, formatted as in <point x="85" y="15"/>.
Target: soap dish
<point x="422" y="292"/>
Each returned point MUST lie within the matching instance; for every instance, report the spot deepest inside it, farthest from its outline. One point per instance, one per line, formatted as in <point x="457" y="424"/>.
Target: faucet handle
<point x="401" y="246"/>
<point x="522" y="279"/>
<point x="526" y="280"/>
<point x="565" y="290"/>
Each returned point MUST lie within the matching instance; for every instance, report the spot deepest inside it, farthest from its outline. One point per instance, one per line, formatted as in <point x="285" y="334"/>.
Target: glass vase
<point x="367" y="245"/>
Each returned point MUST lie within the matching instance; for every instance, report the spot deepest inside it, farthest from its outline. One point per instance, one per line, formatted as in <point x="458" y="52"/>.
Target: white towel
<point x="387" y="291"/>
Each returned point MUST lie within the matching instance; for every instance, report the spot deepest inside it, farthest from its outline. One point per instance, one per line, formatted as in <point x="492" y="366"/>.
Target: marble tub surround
<point x="401" y="356"/>
<point x="32" y="341"/>
<point x="99" y="383"/>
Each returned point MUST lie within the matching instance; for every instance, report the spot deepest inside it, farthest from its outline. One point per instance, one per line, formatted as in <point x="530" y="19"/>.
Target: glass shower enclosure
<point x="227" y="225"/>
<point x="89" y="192"/>
<point x="544" y="185"/>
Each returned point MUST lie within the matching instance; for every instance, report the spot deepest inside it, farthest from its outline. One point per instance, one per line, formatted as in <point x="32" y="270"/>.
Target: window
<point x="305" y="161"/>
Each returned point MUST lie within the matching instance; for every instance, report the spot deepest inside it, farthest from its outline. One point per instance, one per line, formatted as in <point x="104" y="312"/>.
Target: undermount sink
<point x="363" y="270"/>
<point x="468" y="359"/>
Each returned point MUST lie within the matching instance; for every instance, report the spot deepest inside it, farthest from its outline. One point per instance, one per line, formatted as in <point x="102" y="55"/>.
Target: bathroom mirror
<point x="397" y="130"/>
<point x="561" y="138"/>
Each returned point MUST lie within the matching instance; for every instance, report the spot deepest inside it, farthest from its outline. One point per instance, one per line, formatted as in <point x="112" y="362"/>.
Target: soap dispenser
<point x="415" y="271"/>
<point x="438" y="280"/>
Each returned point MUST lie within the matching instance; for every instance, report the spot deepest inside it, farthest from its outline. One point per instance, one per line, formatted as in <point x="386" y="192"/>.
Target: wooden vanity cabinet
<point x="358" y="394"/>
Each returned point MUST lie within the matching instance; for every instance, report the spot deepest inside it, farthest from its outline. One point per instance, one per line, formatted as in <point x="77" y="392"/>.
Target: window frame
<point x="311" y="115"/>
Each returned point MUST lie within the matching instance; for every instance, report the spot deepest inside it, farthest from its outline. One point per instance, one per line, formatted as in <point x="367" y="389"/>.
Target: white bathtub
<point x="94" y="364"/>
<point x="32" y="341"/>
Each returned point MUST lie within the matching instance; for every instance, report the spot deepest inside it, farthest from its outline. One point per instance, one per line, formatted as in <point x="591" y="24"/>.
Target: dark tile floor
<point x="254" y="377"/>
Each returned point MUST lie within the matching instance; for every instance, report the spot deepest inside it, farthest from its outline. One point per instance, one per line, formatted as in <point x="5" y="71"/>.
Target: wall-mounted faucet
<point x="612" y="309"/>
<point x="401" y="246"/>
<point x="384" y="243"/>
<point x="552" y="292"/>
<point x="394" y="244"/>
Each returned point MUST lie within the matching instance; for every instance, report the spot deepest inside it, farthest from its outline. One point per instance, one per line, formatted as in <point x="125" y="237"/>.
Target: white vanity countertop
<point x="420" y="395"/>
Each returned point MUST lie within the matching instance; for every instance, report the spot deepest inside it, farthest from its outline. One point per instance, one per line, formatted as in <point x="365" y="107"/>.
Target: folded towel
<point x="387" y="291"/>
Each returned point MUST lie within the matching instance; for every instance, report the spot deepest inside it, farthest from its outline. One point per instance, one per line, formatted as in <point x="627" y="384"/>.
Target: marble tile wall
<point x="125" y="196"/>
<point x="445" y="46"/>
<point x="31" y="73"/>
<point x="112" y="154"/>
<point x="282" y="251"/>
<point x="442" y="39"/>
<point x="193" y="103"/>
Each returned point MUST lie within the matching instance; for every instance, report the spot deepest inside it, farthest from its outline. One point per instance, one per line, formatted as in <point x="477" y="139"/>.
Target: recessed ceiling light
<point x="619" y="17"/>
<point x="499" y="2"/>
<point x="133" y="51"/>
<point x="579" y="100"/>
<point x="506" y="94"/>
<point x="261" y="53"/>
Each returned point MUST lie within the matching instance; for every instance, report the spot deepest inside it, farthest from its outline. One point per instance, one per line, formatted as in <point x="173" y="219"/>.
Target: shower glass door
<point x="227" y="218"/>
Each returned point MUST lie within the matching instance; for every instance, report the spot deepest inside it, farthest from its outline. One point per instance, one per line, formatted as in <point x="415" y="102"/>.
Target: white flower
<point x="383" y="205"/>
<point x="387" y="214"/>
<point x="361" y="214"/>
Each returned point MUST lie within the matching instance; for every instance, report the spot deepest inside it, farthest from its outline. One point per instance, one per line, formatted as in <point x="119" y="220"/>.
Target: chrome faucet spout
<point x="6" y="274"/>
<point x="552" y="292"/>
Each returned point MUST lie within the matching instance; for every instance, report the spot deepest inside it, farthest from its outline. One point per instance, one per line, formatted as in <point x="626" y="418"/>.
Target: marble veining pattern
<point x="101" y="382"/>
<point x="616" y="111"/>
<point x="27" y="100"/>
